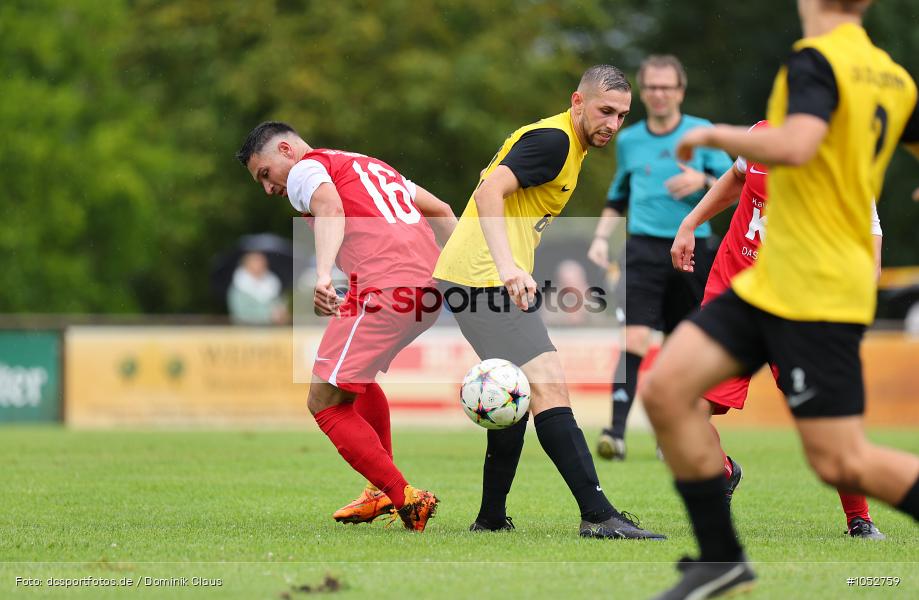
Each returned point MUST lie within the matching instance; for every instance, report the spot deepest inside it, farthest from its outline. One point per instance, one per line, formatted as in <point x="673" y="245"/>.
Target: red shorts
<point x="719" y="278"/>
<point x="733" y="392"/>
<point x="369" y="334"/>
<point x="728" y="394"/>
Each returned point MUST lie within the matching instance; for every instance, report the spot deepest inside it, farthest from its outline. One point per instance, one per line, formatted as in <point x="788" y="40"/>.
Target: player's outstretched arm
<point x="438" y="213"/>
<point x="330" y="232"/>
<point x="489" y="201"/>
<point x="793" y="143"/>
<point x="723" y="194"/>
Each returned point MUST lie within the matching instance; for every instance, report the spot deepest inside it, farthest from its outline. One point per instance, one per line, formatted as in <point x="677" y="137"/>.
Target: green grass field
<point x="253" y="510"/>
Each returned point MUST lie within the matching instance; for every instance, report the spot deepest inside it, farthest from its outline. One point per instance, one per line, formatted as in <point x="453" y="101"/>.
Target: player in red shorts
<point x="366" y="219"/>
<point x="739" y="250"/>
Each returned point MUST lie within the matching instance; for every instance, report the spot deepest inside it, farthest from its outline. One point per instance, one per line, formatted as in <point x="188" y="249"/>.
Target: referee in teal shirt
<point x="657" y="191"/>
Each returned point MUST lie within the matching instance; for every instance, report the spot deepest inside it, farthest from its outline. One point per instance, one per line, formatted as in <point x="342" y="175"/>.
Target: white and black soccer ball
<point x="495" y="394"/>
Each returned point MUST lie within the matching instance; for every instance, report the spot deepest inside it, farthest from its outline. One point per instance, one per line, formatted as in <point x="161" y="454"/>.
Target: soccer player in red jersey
<point x="739" y="250"/>
<point x="367" y="219"/>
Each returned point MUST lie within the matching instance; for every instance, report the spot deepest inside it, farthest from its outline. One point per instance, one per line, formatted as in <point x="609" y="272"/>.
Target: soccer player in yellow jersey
<point x="838" y="108"/>
<point x="488" y="261"/>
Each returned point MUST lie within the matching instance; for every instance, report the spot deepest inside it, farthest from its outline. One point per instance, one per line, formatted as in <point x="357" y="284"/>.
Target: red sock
<point x="728" y="467"/>
<point x="855" y="506"/>
<point x="374" y="408"/>
<point x="360" y="446"/>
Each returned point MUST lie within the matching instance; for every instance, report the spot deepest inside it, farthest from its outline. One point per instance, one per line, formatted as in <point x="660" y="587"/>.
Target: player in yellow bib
<point x="488" y="262"/>
<point x="838" y="108"/>
<point x="547" y="155"/>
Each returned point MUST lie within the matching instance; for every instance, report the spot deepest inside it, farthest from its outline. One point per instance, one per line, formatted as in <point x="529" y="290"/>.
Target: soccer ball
<point x="495" y="394"/>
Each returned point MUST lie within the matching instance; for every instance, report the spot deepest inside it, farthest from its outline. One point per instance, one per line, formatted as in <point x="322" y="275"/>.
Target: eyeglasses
<point x="660" y="88"/>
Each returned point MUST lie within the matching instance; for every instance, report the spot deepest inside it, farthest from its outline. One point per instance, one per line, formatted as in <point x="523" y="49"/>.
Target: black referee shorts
<point x="493" y="325"/>
<point x="655" y="294"/>
<point x="820" y="370"/>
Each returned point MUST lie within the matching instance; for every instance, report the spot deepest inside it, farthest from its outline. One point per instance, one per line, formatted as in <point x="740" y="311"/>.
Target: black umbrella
<point x="278" y="250"/>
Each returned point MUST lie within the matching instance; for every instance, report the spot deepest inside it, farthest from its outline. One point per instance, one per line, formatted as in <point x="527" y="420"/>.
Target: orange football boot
<point x="365" y="508"/>
<point x="420" y="505"/>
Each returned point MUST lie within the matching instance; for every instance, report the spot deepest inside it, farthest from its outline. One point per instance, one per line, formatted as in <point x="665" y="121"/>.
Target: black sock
<point x="501" y="458"/>
<point x="711" y="518"/>
<point x="565" y="444"/>
<point x="624" y="382"/>
<point x="910" y="502"/>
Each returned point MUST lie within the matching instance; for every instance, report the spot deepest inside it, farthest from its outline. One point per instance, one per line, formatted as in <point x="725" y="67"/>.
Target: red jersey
<point x="387" y="242"/>
<point x="740" y="245"/>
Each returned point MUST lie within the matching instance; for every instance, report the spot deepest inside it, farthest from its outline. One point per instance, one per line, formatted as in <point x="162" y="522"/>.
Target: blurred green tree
<point x="77" y="174"/>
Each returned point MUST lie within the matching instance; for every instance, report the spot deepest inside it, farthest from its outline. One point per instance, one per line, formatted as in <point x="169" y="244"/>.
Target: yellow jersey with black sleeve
<point x="817" y="261"/>
<point x="546" y="158"/>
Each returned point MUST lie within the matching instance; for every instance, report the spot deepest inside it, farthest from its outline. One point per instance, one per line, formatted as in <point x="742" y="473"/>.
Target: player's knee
<point x="318" y="401"/>
<point x="839" y="469"/>
<point x="315" y="405"/>
<point x="654" y="392"/>
<point x="637" y="339"/>
<point x="546" y="395"/>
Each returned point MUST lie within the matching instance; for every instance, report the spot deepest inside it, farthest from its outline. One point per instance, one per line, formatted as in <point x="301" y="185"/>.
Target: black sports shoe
<point x="482" y="525"/>
<point x="864" y="529"/>
<point x="621" y="526"/>
<point x="610" y="447"/>
<point x="733" y="480"/>
<point x="706" y="580"/>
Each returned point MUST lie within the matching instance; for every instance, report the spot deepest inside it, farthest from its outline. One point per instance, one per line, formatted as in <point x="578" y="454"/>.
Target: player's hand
<point x="598" y="253"/>
<point x="520" y="285"/>
<point x="689" y="181"/>
<point x="916" y="195"/>
<point x="325" y="298"/>
<point x="686" y="145"/>
<point x="683" y="249"/>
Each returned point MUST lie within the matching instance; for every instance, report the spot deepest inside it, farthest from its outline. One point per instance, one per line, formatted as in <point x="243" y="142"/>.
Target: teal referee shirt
<point x="644" y="162"/>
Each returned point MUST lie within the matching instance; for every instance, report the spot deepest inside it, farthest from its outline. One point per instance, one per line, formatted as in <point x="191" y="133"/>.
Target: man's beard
<point x="590" y="136"/>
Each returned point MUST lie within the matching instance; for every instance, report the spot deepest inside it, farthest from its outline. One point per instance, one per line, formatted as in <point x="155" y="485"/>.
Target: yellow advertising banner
<point x="244" y="376"/>
<point x="161" y="376"/>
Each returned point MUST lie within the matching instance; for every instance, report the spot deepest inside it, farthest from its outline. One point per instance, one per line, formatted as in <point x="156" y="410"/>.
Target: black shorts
<point x="493" y="325"/>
<point x="655" y="294"/>
<point x="820" y="370"/>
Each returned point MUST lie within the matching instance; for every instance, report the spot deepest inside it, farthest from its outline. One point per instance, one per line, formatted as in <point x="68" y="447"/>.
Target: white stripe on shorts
<point x="344" y="351"/>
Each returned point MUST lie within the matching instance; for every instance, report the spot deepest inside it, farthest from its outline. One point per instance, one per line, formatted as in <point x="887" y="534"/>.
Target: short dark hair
<point x="260" y="136"/>
<point x="659" y="61"/>
<point x="607" y="77"/>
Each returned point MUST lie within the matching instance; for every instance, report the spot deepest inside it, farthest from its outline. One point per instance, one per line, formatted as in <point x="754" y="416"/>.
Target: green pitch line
<point x="252" y="511"/>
